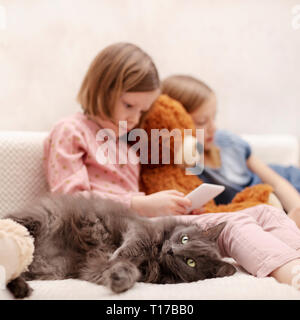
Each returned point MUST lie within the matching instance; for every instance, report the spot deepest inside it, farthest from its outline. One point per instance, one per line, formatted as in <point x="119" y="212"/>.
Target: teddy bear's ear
<point x="167" y="113"/>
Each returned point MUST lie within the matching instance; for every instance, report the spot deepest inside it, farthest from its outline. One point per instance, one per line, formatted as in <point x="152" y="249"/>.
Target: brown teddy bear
<point x="167" y="113"/>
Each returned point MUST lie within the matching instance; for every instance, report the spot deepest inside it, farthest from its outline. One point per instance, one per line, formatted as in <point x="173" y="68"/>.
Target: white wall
<point x="247" y="50"/>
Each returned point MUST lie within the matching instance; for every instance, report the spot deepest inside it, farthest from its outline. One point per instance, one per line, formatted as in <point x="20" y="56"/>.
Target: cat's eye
<point x="191" y="263"/>
<point x="184" y="239"/>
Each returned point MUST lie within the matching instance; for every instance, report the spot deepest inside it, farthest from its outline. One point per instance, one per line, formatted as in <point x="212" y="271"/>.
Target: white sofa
<point x="22" y="179"/>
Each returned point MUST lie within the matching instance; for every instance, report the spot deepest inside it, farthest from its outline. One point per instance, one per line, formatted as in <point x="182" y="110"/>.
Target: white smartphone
<point x="204" y="193"/>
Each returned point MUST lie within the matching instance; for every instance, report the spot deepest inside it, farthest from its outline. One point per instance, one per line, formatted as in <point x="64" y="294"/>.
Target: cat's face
<point x="192" y="254"/>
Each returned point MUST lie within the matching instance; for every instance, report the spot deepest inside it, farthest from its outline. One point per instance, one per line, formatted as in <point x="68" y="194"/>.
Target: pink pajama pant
<point x="260" y="239"/>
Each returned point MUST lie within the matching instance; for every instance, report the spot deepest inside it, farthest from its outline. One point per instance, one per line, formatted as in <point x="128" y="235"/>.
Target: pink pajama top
<point x="71" y="164"/>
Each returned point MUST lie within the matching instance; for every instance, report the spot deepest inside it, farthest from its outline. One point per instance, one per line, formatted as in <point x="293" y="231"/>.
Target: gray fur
<point x="103" y="242"/>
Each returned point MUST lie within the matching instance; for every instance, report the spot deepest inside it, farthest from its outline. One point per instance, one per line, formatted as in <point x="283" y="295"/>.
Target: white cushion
<point x="282" y="149"/>
<point x="240" y="286"/>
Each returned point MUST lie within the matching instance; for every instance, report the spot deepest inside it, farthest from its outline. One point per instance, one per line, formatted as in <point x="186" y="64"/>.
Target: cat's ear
<point x="214" y="232"/>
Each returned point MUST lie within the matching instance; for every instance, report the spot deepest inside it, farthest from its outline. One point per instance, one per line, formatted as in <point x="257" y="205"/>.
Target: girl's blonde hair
<point x="120" y="67"/>
<point x="189" y="91"/>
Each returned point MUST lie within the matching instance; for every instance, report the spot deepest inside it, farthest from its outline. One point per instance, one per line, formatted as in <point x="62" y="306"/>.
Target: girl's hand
<point x="163" y="203"/>
<point x="198" y="211"/>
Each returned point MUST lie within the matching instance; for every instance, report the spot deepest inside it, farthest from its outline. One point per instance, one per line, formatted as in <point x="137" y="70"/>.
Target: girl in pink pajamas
<point x="121" y="84"/>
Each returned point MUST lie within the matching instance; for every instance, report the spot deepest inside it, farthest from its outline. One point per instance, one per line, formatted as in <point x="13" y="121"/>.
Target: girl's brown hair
<point x="189" y="91"/>
<point x="120" y="67"/>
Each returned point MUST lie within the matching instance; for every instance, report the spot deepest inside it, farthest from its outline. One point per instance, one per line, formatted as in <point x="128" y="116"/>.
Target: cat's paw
<point x="19" y="288"/>
<point x="128" y="251"/>
<point x="123" y="276"/>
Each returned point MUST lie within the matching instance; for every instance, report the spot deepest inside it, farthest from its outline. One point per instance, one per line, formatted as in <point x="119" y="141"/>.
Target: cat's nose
<point x="170" y="252"/>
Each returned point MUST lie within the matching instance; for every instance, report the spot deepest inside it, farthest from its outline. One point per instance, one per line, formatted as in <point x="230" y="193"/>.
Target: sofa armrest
<point x="21" y="168"/>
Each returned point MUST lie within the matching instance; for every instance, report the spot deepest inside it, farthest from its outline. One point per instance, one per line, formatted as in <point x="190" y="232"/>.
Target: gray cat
<point x="102" y="241"/>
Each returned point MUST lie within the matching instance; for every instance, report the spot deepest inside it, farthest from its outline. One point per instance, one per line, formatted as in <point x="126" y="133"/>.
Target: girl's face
<point x="129" y="107"/>
<point x="204" y="117"/>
